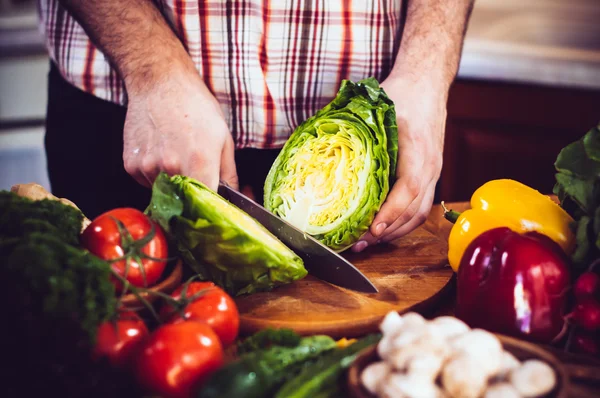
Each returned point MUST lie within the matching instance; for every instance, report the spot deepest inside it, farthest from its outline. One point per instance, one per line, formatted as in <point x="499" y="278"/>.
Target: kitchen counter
<point x="583" y="370"/>
<point x="546" y="42"/>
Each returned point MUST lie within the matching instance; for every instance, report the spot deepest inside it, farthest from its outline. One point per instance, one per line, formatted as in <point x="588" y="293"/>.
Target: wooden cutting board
<point x="411" y="273"/>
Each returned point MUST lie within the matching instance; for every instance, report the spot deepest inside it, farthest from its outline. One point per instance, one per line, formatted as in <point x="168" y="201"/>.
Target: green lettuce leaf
<point x="335" y="171"/>
<point x="578" y="189"/>
<point x="219" y="241"/>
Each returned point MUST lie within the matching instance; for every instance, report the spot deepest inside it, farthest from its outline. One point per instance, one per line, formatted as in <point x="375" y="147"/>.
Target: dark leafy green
<point x="20" y="216"/>
<point x="325" y="372"/>
<point x="578" y="189"/>
<point x="55" y="296"/>
<point x="52" y="276"/>
<point x="268" y="337"/>
<point x="56" y="281"/>
<point x="258" y="374"/>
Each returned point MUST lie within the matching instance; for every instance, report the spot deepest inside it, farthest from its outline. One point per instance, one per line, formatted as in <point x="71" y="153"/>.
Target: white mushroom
<point x="404" y="386"/>
<point x="533" y="378"/>
<point x="450" y="326"/>
<point x="373" y="376"/>
<point x="482" y="346"/>
<point x="408" y="335"/>
<point x="384" y="347"/>
<point x="507" y="364"/>
<point x="435" y="333"/>
<point x="424" y="335"/>
<point x="423" y="344"/>
<point x="391" y="324"/>
<point x="413" y="319"/>
<point x="464" y="377"/>
<point x="502" y="390"/>
<point x="427" y="366"/>
<point x="401" y="358"/>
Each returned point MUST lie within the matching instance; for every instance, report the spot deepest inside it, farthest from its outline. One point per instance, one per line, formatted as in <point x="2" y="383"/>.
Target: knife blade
<point x="319" y="260"/>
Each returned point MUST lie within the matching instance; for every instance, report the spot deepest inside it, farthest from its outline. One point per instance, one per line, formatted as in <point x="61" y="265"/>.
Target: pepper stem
<point x="450" y="215"/>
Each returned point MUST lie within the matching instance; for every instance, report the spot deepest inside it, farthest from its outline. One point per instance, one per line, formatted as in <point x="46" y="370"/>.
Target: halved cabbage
<point x="335" y="170"/>
<point x="219" y="241"/>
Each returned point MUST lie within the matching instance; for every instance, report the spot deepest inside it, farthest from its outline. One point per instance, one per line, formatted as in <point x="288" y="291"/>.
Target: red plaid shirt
<point x="270" y="63"/>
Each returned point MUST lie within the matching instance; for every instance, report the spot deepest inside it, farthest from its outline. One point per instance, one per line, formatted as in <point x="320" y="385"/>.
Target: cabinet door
<point x="510" y="131"/>
<point x="485" y="152"/>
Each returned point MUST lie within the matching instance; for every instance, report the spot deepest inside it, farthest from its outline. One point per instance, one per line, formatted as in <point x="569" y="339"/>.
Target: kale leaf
<point x="578" y="189"/>
<point x="55" y="295"/>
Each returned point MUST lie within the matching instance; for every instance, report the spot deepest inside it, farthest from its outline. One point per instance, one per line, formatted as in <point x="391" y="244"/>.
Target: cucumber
<point x="259" y="373"/>
<point x="268" y="337"/>
<point x="325" y="372"/>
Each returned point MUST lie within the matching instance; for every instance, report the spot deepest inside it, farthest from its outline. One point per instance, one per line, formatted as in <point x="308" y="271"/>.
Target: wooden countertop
<point x="584" y="370"/>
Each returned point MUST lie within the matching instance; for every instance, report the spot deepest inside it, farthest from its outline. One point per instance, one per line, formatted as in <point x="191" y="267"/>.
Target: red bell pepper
<point x="514" y="284"/>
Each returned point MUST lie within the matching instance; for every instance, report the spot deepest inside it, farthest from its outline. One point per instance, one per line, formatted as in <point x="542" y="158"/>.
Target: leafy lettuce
<point x="578" y="189"/>
<point x="219" y="241"/>
<point x="335" y="171"/>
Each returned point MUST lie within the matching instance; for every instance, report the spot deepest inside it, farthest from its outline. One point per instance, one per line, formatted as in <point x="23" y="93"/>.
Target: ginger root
<point x="35" y="191"/>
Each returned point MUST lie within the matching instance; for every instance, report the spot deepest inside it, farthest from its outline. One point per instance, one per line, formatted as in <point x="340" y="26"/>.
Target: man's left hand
<point x="421" y="117"/>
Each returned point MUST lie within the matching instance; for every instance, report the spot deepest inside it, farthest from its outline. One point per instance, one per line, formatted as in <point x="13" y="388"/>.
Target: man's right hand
<point x="176" y="125"/>
<point x="173" y="123"/>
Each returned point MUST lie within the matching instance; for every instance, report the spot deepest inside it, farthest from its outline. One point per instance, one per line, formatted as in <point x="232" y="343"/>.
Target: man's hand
<point x="421" y="117"/>
<point x="173" y="124"/>
<point x="177" y="126"/>
<point x="418" y="84"/>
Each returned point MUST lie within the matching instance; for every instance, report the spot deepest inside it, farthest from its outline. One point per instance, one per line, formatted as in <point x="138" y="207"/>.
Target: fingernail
<point x="360" y="246"/>
<point x="380" y="228"/>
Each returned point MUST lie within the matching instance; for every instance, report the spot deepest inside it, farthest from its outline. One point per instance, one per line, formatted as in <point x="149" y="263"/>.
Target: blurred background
<point x="528" y="84"/>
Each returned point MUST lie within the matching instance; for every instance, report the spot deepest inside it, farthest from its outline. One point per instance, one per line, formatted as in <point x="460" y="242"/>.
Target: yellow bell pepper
<point x="508" y="203"/>
<point x="344" y="342"/>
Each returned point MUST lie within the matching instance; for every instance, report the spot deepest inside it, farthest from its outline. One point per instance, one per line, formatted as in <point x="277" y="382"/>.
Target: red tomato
<point x="103" y="238"/>
<point x="586" y="286"/>
<point x="587" y="314"/>
<point x="177" y="358"/>
<point x="585" y="343"/>
<point x="118" y="340"/>
<point x="215" y="307"/>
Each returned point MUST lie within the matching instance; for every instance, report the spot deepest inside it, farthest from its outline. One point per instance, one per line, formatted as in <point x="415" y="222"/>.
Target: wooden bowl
<point x="520" y="349"/>
<point x="170" y="280"/>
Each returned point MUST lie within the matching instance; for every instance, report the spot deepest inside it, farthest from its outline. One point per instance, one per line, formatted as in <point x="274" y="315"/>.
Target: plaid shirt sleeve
<point x="270" y="63"/>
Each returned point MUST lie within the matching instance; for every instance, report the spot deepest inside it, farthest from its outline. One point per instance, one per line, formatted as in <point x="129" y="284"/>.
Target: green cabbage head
<point x="334" y="172"/>
<point x="219" y="241"/>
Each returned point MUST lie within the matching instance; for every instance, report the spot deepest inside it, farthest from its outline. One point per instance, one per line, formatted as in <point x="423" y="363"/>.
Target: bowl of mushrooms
<point x="445" y="358"/>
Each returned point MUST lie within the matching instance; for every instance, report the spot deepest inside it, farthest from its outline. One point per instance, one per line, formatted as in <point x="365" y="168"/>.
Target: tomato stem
<point x="133" y="250"/>
<point x="187" y="284"/>
<point x="180" y="304"/>
<point x="132" y="247"/>
<point x="136" y="293"/>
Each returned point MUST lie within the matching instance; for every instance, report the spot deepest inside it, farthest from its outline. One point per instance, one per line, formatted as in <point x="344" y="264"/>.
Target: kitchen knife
<point x="319" y="260"/>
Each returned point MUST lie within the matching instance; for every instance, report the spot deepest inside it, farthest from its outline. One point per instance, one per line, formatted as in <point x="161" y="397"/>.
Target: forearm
<point x="134" y="36"/>
<point x="432" y="41"/>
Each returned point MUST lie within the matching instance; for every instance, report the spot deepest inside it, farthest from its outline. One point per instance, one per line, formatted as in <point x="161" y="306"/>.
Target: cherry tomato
<point x="585" y="343"/>
<point x="215" y="307"/>
<point x="587" y="286"/>
<point x="118" y="340"/>
<point x="177" y="358"/>
<point x="104" y="239"/>
<point x="587" y="314"/>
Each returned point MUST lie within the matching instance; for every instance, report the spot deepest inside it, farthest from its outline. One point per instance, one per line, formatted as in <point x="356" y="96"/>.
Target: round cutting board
<point x="411" y="273"/>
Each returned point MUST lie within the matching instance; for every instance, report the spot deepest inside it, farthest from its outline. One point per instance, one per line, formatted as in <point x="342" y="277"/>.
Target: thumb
<point x="228" y="169"/>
